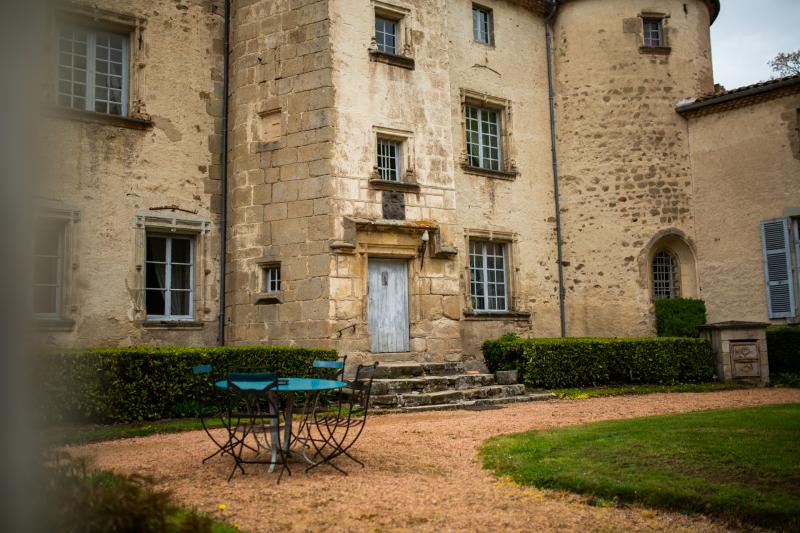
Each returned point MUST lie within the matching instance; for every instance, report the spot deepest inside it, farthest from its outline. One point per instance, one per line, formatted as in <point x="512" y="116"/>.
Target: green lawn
<point x="735" y="464"/>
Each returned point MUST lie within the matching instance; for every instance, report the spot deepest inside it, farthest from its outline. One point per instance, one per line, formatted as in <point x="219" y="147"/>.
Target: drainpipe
<point x="554" y="155"/>
<point x="223" y="232"/>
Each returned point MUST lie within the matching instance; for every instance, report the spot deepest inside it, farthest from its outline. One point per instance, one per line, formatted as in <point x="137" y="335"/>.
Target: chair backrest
<point x="362" y="386"/>
<point x="329" y="369"/>
<point x="201" y="369"/>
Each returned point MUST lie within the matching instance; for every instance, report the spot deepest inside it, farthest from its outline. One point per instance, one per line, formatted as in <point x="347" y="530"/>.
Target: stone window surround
<point x="408" y="182"/>
<point x="402" y="16"/>
<point x="510" y="239"/>
<point x="69" y="217"/>
<point x="503" y="106"/>
<point x="171" y="221"/>
<point x="664" y="49"/>
<point x="134" y="27"/>
<point x="264" y="296"/>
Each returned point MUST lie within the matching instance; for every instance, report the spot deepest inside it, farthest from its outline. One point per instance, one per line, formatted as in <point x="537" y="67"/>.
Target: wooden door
<point x="387" y="305"/>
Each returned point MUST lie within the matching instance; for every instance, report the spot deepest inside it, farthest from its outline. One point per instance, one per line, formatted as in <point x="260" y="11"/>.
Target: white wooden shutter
<point x="778" y="268"/>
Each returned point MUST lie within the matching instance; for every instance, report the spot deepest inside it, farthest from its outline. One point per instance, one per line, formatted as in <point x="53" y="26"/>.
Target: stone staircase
<point x="417" y="386"/>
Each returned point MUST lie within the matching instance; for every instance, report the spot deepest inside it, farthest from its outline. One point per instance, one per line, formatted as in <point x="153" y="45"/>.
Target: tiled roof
<point x="742" y="95"/>
<point x="767" y="83"/>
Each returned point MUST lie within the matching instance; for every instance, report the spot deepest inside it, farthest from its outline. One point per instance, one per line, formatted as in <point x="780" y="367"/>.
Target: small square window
<point x="482" y="25"/>
<point x="653" y="33"/>
<point x="389" y="159"/>
<point x="272" y="278"/>
<point x="93" y="70"/>
<point x="483" y="137"/>
<point x="386" y="35"/>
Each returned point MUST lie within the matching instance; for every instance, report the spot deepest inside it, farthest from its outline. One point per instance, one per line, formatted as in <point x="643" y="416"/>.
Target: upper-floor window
<point x="488" y="275"/>
<point x="653" y="32"/>
<point x="93" y="70"/>
<point x="169" y="277"/>
<point x="389" y="159"/>
<point x="483" y="137"/>
<point x="664" y="276"/>
<point x="386" y="35"/>
<point x="482" y="25"/>
<point x="48" y="269"/>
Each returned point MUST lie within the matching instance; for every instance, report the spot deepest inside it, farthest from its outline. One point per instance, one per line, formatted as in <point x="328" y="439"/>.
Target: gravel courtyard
<point x="422" y="473"/>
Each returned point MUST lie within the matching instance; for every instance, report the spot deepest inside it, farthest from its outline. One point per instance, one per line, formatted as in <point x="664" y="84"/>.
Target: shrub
<point x="504" y="353"/>
<point x="581" y="362"/>
<point x="783" y="347"/>
<point x="76" y="500"/>
<point x="148" y="383"/>
<point x="679" y="317"/>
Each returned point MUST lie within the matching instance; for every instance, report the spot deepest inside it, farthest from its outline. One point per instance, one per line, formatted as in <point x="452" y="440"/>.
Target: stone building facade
<point x="388" y="173"/>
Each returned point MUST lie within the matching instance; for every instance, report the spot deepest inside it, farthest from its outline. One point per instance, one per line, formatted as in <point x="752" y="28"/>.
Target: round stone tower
<point x="620" y="67"/>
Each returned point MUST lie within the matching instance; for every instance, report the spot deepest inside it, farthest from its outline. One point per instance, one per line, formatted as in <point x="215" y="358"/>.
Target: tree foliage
<point x="786" y="63"/>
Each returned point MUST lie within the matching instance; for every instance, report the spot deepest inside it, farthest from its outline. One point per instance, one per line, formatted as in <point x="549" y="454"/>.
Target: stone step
<point x="486" y="403"/>
<point x="410" y="369"/>
<point x="443" y="369"/>
<point x="398" y="369"/>
<point x="446" y="396"/>
<point x="430" y="383"/>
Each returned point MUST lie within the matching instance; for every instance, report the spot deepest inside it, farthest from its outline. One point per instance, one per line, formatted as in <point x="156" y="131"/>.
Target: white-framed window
<point x="482" y="24"/>
<point x="272" y="278"/>
<point x="483" y="137"/>
<point x="49" y="256"/>
<point x="93" y="70"/>
<point x="389" y="159"/>
<point x="665" y="270"/>
<point x="653" y="32"/>
<point x="386" y="34"/>
<point x="169" y="277"/>
<point x="488" y="268"/>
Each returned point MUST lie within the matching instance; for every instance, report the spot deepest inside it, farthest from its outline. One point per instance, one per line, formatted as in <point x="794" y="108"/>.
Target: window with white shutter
<point x="778" y="268"/>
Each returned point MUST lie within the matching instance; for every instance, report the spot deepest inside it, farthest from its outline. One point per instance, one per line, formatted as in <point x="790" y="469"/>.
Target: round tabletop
<point x="287" y="384"/>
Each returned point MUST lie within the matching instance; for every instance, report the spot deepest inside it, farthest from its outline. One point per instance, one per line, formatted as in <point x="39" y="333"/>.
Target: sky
<point x="747" y="34"/>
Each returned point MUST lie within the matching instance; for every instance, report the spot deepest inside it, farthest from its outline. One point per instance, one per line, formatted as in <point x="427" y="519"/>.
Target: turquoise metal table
<point x="289" y="386"/>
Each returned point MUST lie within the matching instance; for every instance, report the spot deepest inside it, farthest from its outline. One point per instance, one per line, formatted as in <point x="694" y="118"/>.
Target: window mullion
<point x="480" y="137"/>
<point x="190" y="310"/>
<point x="124" y="88"/>
<point x="485" y="268"/>
<point x="168" y="277"/>
<point x="91" y="55"/>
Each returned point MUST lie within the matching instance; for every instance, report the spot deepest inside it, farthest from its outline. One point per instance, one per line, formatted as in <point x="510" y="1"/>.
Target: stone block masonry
<point x="279" y="176"/>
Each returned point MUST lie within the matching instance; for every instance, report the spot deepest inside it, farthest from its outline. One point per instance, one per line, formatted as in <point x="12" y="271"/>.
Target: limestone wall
<point x="105" y="172"/>
<point x="280" y="186"/>
<point x="374" y="97"/>
<point x="746" y="165"/>
<point x="519" y="209"/>
<point x="624" y="153"/>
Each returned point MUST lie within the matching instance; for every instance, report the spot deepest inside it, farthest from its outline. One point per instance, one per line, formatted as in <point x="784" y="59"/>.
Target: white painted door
<point x="387" y="306"/>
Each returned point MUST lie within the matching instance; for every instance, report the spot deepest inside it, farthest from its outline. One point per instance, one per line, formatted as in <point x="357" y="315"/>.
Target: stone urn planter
<point x="506" y="377"/>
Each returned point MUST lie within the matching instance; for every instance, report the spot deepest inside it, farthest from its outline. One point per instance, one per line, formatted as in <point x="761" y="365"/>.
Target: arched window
<point x="665" y="269"/>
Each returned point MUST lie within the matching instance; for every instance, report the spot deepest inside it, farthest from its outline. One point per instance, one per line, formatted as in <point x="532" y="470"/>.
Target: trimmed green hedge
<point x="148" y="382"/>
<point x="679" y="317"/>
<point x="582" y="362"/>
<point x="783" y="347"/>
